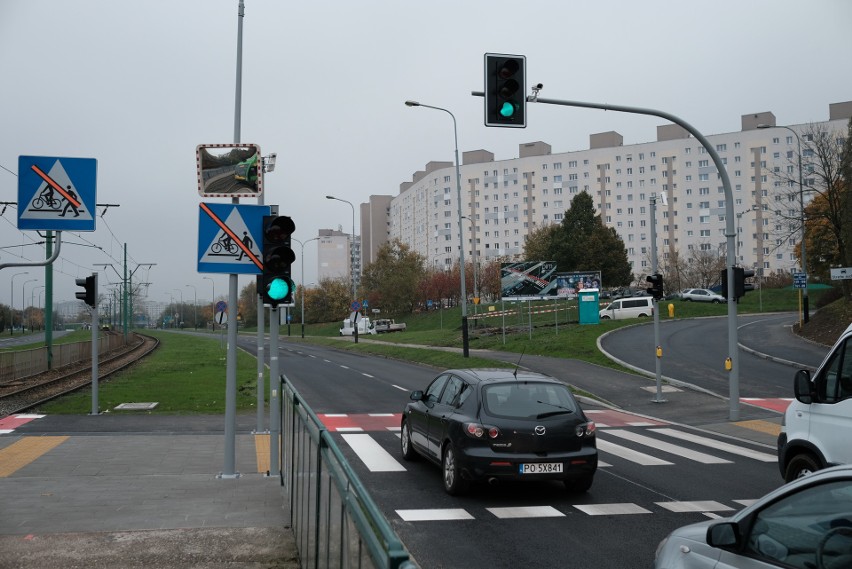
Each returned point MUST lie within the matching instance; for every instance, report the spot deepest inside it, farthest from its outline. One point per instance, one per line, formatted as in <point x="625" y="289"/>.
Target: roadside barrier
<point x="19" y="364"/>
<point x="334" y="519"/>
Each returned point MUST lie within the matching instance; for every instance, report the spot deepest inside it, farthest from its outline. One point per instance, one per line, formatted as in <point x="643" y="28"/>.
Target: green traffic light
<point x="507" y="110"/>
<point x="278" y="289"/>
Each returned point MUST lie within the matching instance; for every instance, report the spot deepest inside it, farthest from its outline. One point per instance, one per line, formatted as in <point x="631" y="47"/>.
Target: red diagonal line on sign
<point x="232" y="235"/>
<point x="55" y="186"/>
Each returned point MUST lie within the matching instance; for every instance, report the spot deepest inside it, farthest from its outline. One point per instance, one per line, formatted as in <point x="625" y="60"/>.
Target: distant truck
<point x="386" y="325"/>
<point x="365" y="326"/>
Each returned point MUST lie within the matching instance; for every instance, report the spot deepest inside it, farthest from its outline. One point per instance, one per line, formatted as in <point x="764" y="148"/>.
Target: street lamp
<point x="352" y="251"/>
<point x="474" y="261"/>
<point x="181" y="305"/>
<point x="194" y="307"/>
<point x="32" y="303"/>
<point x="23" y="300"/>
<point x="739" y="216"/>
<point x="12" y="304"/>
<point x="213" y="284"/>
<point x="302" y="256"/>
<point x="465" y="346"/>
<point x="805" y="309"/>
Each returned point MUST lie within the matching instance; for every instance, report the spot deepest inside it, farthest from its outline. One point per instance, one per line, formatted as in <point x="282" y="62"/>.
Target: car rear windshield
<point x="528" y="400"/>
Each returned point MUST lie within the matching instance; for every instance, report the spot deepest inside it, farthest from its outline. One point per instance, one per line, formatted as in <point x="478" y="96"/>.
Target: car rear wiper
<point x="551" y="413"/>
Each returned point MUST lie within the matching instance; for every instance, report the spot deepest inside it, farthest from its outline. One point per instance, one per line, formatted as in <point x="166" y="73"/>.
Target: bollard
<point x="671" y="310"/>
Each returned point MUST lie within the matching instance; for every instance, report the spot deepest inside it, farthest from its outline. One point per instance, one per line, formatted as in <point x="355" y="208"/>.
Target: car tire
<point x="716" y="301"/>
<point x="605" y="318"/>
<point x="451" y="473"/>
<point x="579" y="485"/>
<point x="408" y="452"/>
<point x="800" y="465"/>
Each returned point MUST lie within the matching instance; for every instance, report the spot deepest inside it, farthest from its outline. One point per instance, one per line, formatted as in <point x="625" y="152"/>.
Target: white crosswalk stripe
<point x="630" y="454"/>
<point x="719" y="445"/>
<point x="668" y="447"/>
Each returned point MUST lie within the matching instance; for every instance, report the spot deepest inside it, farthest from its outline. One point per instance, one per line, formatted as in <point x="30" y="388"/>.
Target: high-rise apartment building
<point x="502" y="200"/>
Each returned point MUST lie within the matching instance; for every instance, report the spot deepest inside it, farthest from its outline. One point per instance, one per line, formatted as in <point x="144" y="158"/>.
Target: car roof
<point x="500" y="375"/>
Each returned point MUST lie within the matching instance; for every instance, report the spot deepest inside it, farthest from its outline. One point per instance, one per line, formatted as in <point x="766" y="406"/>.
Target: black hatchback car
<point x="496" y="424"/>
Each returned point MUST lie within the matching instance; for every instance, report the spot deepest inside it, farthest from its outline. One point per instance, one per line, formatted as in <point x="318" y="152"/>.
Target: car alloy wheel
<point x="408" y="452"/>
<point x="453" y="482"/>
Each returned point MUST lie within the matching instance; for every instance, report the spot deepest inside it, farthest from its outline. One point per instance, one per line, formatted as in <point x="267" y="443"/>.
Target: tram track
<point x="26" y="393"/>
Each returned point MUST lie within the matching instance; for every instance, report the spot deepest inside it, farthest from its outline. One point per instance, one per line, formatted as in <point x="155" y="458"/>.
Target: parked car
<point x="496" y="424"/>
<point x="806" y="524"/>
<point x="701" y="295"/>
<point x="817" y="427"/>
<point x="628" y="307"/>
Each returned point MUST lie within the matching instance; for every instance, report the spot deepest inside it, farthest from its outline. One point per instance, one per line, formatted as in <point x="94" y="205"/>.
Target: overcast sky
<point x="138" y="85"/>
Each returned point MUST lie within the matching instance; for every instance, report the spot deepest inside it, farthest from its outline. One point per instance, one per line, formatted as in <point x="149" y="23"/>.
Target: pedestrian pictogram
<point x="56" y="193"/>
<point x="227" y="241"/>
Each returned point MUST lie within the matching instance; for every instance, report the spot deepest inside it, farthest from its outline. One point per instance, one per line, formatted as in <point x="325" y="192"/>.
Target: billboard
<point x="537" y="280"/>
<point x="569" y="284"/>
<point x="528" y="280"/>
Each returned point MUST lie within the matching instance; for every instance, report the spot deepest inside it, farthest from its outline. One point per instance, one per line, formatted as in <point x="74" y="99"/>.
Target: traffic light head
<point x="505" y="90"/>
<point x="90" y="289"/>
<point x="656" y="285"/>
<point x="276" y="283"/>
<point x="740" y="285"/>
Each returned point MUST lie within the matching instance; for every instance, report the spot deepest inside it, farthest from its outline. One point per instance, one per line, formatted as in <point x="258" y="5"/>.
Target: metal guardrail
<point x="335" y="521"/>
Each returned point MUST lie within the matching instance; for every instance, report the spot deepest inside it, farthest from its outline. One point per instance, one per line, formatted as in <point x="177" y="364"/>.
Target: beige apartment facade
<point x="502" y="201"/>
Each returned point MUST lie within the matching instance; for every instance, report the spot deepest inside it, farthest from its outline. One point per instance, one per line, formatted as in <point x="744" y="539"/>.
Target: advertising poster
<point x="569" y="284"/>
<point x="528" y="280"/>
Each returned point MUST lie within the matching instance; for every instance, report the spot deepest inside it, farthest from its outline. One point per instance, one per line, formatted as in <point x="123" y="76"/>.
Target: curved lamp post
<point x="465" y="345"/>
<point x="12" y="304"/>
<point x="302" y="256"/>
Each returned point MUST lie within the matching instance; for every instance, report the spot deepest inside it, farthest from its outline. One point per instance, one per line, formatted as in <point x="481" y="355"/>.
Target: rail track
<point x="25" y="393"/>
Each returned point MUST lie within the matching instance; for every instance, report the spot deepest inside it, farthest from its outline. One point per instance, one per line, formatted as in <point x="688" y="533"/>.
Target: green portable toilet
<point x="588" y="304"/>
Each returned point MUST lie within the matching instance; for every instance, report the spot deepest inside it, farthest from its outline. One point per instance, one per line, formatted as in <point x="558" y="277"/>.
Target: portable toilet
<point x="588" y="306"/>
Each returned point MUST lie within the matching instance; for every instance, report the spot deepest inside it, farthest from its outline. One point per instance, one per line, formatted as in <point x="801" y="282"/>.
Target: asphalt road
<point x="656" y="476"/>
<point x="694" y="352"/>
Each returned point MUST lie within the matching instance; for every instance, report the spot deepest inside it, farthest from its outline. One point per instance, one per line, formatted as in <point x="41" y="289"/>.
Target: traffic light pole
<point x="730" y="233"/>
<point x="95" y="405"/>
<point x="658" y="349"/>
<point x="274" y="400"/>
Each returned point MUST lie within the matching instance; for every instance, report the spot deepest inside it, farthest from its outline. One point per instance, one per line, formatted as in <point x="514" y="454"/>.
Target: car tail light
<point x="586" y="429"/>
<point x="478" y="431"/>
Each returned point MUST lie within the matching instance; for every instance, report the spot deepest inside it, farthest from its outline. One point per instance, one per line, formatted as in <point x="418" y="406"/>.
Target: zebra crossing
<point x="620" y="437"/>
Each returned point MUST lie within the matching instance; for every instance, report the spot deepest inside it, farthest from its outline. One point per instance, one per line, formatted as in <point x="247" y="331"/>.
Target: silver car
<point x="701" y="295"/>
<point x="806" y="524"/>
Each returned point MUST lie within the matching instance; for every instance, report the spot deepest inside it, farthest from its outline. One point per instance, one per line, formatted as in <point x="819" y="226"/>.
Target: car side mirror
<point x="725" y="535"/>
<point x="803" y="388"/>
<point x="416" y="395"/>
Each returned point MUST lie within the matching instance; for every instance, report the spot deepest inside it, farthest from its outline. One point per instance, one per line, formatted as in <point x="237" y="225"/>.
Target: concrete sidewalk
<point x="105" y="493"/>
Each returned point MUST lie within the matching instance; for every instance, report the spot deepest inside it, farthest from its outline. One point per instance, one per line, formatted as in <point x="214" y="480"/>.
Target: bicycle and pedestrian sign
<point x="228" y="238"/>
<point x="56" y="193"/>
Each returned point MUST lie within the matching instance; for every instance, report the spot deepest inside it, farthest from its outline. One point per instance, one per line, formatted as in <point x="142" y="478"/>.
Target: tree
<point x="827" y="172"/>
<point x="581" y="243"/>
<point x="247" y="305"/>
<point x="393" y="278"/>
<point x="330" y="301"/>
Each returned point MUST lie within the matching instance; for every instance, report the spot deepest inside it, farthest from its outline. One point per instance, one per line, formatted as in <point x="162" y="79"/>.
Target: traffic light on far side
<point x="89" y="293"/>
<point x="656" y="288"/>
<point x="505" y="90"/>
<point x="276" y="283"/>
<point x="740" y="285"/>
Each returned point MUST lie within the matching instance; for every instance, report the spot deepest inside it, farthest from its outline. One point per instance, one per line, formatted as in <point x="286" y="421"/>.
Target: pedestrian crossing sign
<point x="56" y="194"/>
<point x="228" y="238"/>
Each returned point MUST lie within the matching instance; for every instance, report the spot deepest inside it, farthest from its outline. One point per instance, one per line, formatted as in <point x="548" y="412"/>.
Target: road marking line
<point x="612" y="509"/>
<point x="700" y="506"/>
<point x="261" y="450"/>
<point x="434" y="514"/>
<point x="668" y="447"/>
<point x="718" y="445"/>
<point x="27" y="450"/>
<point x="372" y="454"/>
<point x="526" y="512"/>
<point x="631" y="455"/>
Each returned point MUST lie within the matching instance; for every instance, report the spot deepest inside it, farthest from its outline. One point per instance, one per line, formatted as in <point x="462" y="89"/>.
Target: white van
<point x="364" y="327"/>
<point x="817" y="427"/>
<point x="629" y="307"/>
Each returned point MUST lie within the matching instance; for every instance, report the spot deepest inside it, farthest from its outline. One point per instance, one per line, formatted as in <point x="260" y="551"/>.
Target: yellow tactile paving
<point x="23" y="452"/>
<point x="762" y="426"/>
<point x="261" y="447"/>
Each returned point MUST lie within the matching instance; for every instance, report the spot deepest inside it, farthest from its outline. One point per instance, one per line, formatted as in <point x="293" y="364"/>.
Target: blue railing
<point x="334" y="520"/>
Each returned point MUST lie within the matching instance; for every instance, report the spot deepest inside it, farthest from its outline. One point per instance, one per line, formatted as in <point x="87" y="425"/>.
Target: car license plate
<point x="541" y="468"/>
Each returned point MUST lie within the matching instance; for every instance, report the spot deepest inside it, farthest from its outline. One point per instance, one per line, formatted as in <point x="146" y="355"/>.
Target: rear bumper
<point x="482" y="464"/>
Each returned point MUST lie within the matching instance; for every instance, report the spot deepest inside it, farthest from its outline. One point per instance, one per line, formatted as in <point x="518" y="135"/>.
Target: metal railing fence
<point x="334" y="519"/>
